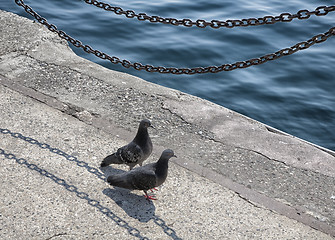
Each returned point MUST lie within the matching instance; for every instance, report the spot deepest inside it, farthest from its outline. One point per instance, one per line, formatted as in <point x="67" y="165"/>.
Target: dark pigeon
<point x="144" y="178"/>
<point x="136" y="151"/>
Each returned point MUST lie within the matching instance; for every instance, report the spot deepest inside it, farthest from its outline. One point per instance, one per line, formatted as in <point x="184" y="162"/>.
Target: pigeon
<point x="136" y="151"/>
<point x="144" y="178"/>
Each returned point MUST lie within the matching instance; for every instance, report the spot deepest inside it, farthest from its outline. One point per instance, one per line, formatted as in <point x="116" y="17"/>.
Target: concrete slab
<point x="50" y="94"/>
<point x="44" y="195"/>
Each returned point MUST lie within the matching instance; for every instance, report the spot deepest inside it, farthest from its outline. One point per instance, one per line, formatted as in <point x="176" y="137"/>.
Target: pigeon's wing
<point x="143" y="179"/>
<point x="120" y="180"/>
<point x="131" y="153"/>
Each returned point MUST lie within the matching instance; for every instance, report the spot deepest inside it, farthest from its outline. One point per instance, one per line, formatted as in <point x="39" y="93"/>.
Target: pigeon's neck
<point x="161" y="167"/>
<point x="141" y="136"/>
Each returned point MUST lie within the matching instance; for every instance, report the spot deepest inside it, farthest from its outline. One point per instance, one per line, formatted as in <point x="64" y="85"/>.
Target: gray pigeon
<point x="144" y="178"/>
<point x="136" y="151"/>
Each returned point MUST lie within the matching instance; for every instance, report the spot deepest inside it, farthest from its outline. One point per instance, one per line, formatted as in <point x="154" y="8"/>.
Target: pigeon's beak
<point x="152" y="126"/>
<point x="174" y="156"/>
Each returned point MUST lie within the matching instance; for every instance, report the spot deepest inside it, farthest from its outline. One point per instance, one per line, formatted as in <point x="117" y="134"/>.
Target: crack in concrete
<point x="173" y="113"/>
<point x="263" y="155"/>
<point x="238" y="147"/>
<point x="57" y="235"/>
<point x="246" y="149"/>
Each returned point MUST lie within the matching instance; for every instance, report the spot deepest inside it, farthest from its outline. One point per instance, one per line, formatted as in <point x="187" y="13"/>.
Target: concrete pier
<point x="235" y="178"/>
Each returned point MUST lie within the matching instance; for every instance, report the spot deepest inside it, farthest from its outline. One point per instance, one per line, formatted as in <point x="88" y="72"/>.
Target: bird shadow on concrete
<point x="138" y="207"/>
<point x="134" y="205"/>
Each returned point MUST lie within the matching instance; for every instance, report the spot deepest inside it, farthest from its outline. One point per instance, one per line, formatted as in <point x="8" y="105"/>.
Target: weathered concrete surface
<point x="44" y="84"/>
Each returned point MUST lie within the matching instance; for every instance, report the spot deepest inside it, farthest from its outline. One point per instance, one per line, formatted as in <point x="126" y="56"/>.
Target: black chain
<point x="173" y="70"/>
<point x="245" y="22"/>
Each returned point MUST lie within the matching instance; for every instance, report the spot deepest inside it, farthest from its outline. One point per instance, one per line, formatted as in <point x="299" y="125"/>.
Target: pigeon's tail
<point x="111" y="159"/>
<point x="119" y="181"/>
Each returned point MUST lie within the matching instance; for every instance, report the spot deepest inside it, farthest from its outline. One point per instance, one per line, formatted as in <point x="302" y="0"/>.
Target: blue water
<point x="294" y="94"/>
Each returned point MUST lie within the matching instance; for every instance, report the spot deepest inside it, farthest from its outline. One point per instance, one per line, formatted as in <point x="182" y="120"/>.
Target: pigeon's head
<point x="145" y="124"/>
<point x="167" y="154"/>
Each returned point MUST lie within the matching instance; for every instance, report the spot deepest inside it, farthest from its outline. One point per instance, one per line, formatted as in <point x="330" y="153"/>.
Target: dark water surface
<point x="295" y="93"/>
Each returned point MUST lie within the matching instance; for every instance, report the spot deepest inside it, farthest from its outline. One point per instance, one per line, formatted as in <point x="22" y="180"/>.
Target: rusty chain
<point x="173" y="70"/>
<point x="284" y="17"/>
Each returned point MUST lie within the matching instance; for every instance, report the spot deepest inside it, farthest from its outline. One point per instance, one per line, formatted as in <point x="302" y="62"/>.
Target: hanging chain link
<point x="173" y="70"/>
<point x="284" y="17"/>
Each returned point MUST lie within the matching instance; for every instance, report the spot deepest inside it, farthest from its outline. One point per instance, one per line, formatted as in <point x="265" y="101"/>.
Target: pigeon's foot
<point x="149" y="197"/>
<point x="152" y="189"/>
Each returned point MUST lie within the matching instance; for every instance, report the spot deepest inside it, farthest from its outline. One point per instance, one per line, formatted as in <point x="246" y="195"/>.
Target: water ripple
<point x="294" y="94"/>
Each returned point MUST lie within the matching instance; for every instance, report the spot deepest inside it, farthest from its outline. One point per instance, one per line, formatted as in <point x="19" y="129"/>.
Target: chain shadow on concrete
<point x="136" y="200"/>
<point x="139" y="208"/>
<point x="73" y="189"/>
<point x="57" y="151"/>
